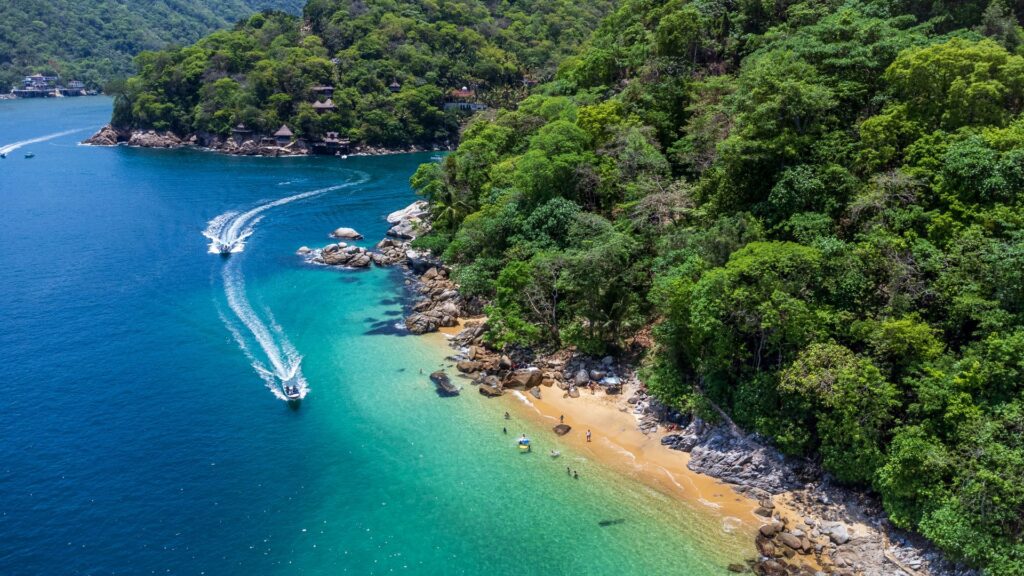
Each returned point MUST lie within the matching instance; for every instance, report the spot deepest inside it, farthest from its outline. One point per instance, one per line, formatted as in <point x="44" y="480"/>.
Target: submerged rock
<point x="490" y="391"/>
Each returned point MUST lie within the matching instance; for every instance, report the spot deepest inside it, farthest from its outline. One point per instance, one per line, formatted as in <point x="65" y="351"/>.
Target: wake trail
<point x="8" y="148"/>
<point x="283" y="363"/>
<point x="229" y="231"/>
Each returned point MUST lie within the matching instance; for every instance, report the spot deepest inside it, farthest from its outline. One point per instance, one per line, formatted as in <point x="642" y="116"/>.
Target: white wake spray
<point x="8" y="148"/>
<point x="281" y="364"/>
<point x="228" y="232"/>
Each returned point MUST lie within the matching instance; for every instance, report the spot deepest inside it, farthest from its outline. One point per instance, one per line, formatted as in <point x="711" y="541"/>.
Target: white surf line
<point x="8" y="148"/>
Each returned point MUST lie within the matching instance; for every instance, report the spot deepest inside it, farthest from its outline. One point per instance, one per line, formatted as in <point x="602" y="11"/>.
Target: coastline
<point x="110" y="136"/>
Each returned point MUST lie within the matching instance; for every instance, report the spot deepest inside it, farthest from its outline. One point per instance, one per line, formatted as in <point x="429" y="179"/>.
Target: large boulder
<point x="490" y="391"/>
<point x="582" y="378"/>
<point x="523" y="379"/>
<point x="107" y="136"/>
<point x="346" y="234"/>
<point x="409" y="222"/>
<point x="562" y="429"/>
<point x="468" y="366"/>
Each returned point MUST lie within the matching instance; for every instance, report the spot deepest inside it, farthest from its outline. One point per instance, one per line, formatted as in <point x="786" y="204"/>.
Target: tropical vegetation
<point x="95" y="40"/>
<point x="817" y="206"/>
<point x="392" y="66"/>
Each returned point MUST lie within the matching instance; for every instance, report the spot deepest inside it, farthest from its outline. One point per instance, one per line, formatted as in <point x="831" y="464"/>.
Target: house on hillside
<point x="284" y="135"/>
<point x="325" y="91"/>
<point x="326" y="106"/>
<point x="464" y="100"/>
<point x="240" y="133"/>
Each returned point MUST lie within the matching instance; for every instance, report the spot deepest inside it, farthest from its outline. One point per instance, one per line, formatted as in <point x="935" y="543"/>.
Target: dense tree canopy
<point x="392" y="63"/>
<point x="818" y="207"/>
<point x="95" y="40"/>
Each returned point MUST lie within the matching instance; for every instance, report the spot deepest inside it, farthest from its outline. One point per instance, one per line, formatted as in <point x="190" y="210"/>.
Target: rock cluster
<point x="440" y="306"/>
<point x="153" y="139"/>
<point x="342" y="254"/>
<point x="107" y="136"/>
<point x="390" y="252"/>
<point x="409" y="222"/>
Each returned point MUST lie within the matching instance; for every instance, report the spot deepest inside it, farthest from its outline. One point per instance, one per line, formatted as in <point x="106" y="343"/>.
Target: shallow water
<point x="139" y="438"/>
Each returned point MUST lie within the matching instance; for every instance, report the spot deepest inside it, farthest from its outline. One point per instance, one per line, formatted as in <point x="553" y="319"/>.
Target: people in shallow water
<point x="507" y="416"/>
<point x="504" y="430"/>
<point x="575" y="475"/>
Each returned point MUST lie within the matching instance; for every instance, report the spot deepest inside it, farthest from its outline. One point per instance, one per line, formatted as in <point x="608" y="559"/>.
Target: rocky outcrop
<point x="390" y="252"/>
<point x="440" y="304"/>
<point x="342" y="254"/>
<point x="409" y="222"/>
<point x="346" y="234"/>
<point x="154" y="139"/>
<point x="444" y="384"/>
<point x="107" y="136"/>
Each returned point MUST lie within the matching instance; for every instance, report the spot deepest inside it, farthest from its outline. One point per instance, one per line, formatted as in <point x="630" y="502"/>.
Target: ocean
<point x="141" y="432"/>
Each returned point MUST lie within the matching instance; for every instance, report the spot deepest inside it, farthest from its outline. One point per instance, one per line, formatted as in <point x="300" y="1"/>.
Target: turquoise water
<point x="138" y="437"/>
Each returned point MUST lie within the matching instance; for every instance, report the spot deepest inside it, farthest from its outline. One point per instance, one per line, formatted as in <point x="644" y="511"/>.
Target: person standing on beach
<point x="561" y="418"/>
<point x="588" y="435"/>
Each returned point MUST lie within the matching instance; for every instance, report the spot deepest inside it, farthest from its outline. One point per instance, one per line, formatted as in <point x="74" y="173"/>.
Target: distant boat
<point x="292" y="393"/>
<point x="3" y="154"/>
<point x="437" y="157"/>
<point x="29" y="155"/>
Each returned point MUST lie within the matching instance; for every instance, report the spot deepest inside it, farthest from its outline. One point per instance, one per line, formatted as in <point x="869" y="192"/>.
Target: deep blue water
<point x="137" y="437"/>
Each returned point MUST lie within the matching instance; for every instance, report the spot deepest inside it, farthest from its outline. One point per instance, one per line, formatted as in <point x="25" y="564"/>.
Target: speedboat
<point x="3" y="154"/>
<point x="29" y="155"/>
<point x="292" y="392"/>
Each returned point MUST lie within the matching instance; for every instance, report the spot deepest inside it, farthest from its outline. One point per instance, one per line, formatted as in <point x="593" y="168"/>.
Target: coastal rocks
<point x="444" y="384"/>
<point x="346" y="234"/>
<point x="535" y="392"/>
<point x="523" y="379"/>
<point x="343" y="255"/>
<point x="409" y="222"/>
<point x="390" y="252"/>
<point x="490" y="391"/>
<point x="107" y="136"/>
<point x="441" y="305"/>
<point x="468" y="366"/>
<point x="562" y="429"/>
<point x="303" y="250"/>
<point x="745" y="461"/>
<point x="153" y="139"/>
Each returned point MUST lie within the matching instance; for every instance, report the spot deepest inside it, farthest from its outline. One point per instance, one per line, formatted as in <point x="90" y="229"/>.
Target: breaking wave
<point x="8" y="148"/>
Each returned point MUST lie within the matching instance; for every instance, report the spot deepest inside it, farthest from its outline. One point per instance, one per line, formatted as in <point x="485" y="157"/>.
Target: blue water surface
<point x="136" y="436"/>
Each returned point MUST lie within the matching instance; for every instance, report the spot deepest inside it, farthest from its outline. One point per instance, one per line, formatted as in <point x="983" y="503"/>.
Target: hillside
<point x="818" y="207"/>
<point x="95" y="40"/>
<point x="393" y="66"/>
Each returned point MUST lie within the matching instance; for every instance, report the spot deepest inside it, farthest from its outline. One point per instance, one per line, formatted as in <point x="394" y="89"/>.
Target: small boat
<point x="524" y="444"/>
<point x="29" y="155"/>
<point x="3" y="154"/>
<point x="292" y="393"/>
<point x="555" y="454"/>
<point x="436" y="158"/>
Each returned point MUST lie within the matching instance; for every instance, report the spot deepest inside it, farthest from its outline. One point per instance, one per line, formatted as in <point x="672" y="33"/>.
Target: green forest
<point x="95" y="40"/>
<point x="818" y="208"/>
<point x="813" y="207"/>
<point x="392" y="65"/>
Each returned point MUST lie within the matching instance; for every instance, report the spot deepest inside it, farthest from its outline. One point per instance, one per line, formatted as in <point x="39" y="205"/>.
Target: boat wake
<point x="281" y="363"/>
<point x="8" y="148"/>
<point x="274" y="358"/>
<point x="229" y="231"/>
